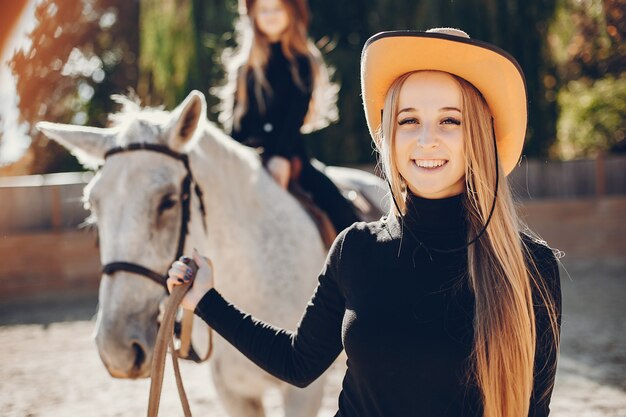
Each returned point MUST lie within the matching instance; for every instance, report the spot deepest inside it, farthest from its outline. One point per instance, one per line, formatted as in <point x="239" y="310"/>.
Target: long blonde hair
<point x="501" y="272"/>
<point x="251" y="57"/>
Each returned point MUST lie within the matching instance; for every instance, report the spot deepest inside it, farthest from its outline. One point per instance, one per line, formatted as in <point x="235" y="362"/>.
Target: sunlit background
<point x="65" y="58"/>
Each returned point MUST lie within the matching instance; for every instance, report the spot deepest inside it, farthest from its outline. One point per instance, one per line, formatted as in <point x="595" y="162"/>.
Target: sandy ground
<point x="49" y="365"/>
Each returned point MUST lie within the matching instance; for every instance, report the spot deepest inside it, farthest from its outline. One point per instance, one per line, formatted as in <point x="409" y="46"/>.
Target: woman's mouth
<point x="430" y="164"/>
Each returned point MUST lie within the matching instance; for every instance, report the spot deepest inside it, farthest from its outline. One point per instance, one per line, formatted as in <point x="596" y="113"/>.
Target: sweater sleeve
<point x="546" y="354"/>
<point x="297" y="357"/>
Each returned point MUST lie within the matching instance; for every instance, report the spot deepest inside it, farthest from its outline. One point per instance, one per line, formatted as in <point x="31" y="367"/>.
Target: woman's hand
<point x="280" y="170"/>
<point x="180" y="273"/>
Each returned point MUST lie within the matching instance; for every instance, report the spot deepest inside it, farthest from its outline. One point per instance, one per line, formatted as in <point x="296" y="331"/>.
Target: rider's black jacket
<point x="274" y="127"/>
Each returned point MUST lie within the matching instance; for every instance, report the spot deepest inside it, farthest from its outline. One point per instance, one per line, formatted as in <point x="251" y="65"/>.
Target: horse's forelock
<point x="138" y="124"/>
<point x="131" y="110"/>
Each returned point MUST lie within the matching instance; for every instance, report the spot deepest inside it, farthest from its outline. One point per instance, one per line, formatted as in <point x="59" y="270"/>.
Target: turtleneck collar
<point x="439" y="223"/>
<point x="276" y="47"/>
<point x="425" y="215"/>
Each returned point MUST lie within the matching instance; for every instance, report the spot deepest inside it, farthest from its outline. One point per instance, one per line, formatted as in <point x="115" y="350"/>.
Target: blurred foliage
<point x="208" y="30"/>
<point x="168" y="62"/>
<point x="517" y="26"/>
<point x="587" y="40"/>
<point x="85" y="50"/>
<point x="81" y="52"/>
<point x="593" y="116"/>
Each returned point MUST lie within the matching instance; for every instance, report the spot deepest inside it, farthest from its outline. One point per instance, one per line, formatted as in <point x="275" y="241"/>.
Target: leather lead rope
<point x="165" y="339"/>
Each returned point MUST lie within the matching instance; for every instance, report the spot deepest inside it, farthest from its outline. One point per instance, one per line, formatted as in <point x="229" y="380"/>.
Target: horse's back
<point x="368" y="192"/>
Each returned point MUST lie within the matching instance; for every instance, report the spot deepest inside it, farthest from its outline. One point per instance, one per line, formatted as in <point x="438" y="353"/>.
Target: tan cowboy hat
<point x="495" y="73"/>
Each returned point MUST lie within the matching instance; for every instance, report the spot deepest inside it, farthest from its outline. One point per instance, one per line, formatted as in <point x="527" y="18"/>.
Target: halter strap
<point x="112" y="267"/>
<point x="185" y="197"/>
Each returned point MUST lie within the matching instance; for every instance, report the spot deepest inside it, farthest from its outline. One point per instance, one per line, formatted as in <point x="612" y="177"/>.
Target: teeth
<point x="429" y="163"/>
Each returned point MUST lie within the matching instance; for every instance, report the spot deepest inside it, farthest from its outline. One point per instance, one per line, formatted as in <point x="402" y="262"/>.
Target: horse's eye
<point x="167" y="202"/>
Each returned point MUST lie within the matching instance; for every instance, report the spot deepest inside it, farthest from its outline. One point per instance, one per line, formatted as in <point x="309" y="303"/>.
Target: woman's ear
<point x="186" y="120"/>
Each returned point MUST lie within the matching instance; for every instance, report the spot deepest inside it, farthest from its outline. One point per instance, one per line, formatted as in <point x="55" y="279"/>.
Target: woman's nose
<point x="428" y="137"/>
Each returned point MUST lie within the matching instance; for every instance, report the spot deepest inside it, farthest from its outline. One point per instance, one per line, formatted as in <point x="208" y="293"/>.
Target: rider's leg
<point x="327" y="196"/>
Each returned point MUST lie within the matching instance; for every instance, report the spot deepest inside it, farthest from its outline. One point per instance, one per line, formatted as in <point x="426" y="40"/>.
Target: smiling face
<point x="271" y="18"/>
<point x="429" y="143"/>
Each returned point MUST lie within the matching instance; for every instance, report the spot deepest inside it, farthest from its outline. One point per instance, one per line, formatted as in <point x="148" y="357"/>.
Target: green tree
<point x="593" y="116"/>
<point x="587" y="42"/>
<point x="181" y="43"/>
<point x="168" y="51"/>
<point x="517" y="26"/>
<point x="164" y="48"/>
<point x="80" y="53"/>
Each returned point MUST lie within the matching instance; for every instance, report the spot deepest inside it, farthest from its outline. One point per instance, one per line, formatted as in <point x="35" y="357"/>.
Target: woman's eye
<point x="408" y="120"/>
<point x="167" y="202"/>
<point x="451" y="121"/>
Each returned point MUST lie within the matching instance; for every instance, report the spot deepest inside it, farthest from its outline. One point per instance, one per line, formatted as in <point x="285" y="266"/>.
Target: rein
<point x="166" y="329"/>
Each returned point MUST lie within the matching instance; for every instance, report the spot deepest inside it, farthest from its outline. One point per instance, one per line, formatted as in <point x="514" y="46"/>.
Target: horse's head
<point x="137" y="201"/>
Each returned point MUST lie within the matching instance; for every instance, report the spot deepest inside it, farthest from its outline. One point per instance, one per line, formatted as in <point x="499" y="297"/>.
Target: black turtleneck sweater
<point x="403" y="313"/>
<point x="277" y="128"/>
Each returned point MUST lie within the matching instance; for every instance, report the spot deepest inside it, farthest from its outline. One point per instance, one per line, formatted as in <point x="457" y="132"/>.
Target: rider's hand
<point x="201" y="284"/>
<point x="280" y="170"/>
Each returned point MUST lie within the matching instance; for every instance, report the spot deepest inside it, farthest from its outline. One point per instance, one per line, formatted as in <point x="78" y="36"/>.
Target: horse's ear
<point x="88" y="144"/>
<point x="186" y="121"/>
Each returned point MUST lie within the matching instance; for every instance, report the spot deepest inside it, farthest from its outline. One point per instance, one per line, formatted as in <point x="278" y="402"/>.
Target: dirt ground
<point x="49" y="365"/>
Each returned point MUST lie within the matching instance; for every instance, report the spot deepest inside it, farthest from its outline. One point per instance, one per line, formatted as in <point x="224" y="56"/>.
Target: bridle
<point x="186" y="351"/>
<point x="185" y="199"/>
<point x="165" y="334"/>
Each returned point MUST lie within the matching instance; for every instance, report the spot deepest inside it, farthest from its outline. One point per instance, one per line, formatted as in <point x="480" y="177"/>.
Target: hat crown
<point x="449" y="31"/>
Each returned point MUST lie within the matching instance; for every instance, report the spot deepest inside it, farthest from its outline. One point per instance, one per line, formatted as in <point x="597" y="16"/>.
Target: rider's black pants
<point x="327" y="196"/>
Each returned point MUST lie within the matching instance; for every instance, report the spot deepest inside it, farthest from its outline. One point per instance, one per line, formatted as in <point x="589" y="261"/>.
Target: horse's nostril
<point x="140" y="356"/>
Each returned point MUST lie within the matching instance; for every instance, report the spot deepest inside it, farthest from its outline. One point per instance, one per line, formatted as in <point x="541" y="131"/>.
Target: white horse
<point x="266" y="251"/>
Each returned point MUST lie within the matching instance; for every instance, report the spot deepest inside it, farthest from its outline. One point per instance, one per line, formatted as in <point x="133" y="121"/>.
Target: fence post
<point x="600" y="175"/>
<point x="55" y="207"/>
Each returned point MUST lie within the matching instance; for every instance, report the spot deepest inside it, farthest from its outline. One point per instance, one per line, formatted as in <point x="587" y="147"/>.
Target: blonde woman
<point x="446" y="306"/>
<point x="278" y="89"/>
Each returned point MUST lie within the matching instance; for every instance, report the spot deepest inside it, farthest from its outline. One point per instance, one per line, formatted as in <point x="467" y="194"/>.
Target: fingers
<point x="181" y="273"/>
<point x="178" y="270"/>
<point x="171" y="283"/>
<point x="202" y="261"/>
<point x="178" y="274"/>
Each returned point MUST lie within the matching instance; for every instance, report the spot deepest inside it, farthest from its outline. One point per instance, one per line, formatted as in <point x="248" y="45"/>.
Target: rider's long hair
<point x="252" y="55"/>
<point x="501" y="272"/>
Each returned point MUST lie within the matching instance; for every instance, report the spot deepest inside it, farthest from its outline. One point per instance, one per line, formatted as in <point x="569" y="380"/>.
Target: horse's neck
<point x="230" y="177"/>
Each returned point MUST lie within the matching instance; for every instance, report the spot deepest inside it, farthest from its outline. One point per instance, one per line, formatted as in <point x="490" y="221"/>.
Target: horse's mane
<point x="132" y="117"/>
<point x="131" y="110"/>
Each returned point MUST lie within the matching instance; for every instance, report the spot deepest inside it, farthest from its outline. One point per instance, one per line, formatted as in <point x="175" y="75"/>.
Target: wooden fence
<point x="50" y="202"/>
<point x="605" y="175"/>
<point x="43" y="252"/>
<point x="53" y="202"/>
<point x="576" y="206"/>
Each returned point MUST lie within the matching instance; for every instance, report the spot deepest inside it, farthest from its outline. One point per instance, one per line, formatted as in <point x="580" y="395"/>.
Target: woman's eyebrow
<point x="412" y="109"/>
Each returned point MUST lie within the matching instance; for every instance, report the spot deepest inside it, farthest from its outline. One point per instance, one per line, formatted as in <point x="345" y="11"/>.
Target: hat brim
<point x="497" y="75"/>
